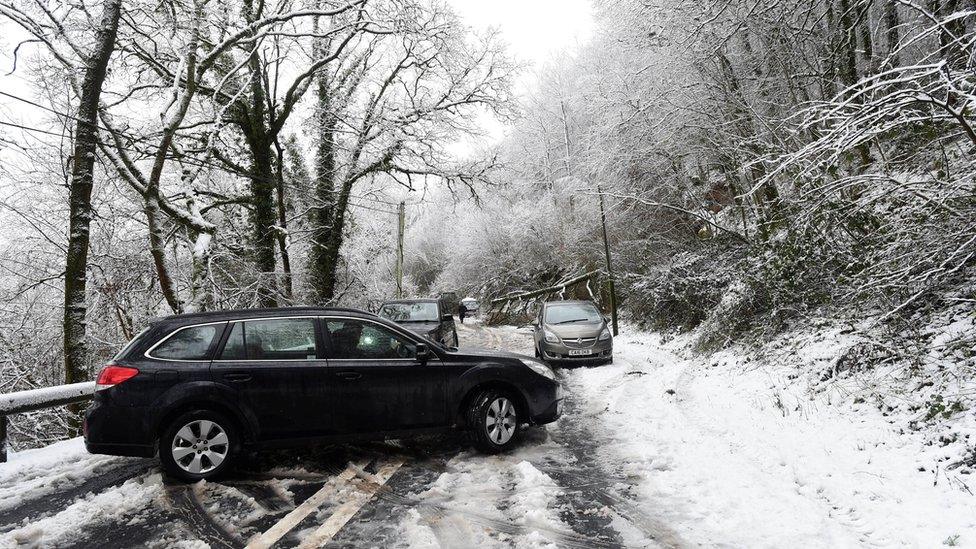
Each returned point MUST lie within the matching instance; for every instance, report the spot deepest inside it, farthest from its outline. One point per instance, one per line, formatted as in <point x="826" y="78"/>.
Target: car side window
<point x="234" y="347"/>
<point x="278" y="339"/>
<point x="187" y="344"/>
<point x="357" y="339"/>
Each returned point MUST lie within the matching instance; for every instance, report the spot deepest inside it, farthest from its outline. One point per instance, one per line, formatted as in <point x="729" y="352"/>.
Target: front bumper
<point x="599" y="351"/>
<point x="545" y="403"/>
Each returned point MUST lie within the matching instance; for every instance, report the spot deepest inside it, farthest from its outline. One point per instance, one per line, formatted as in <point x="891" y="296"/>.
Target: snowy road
<point x="661" y="449"/>
<point x="557" y="490"/>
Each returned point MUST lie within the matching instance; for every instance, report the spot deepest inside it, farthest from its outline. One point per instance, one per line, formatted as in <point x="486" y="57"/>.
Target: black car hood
<point x="487" y="353"/>
<point x="422" y="328"/>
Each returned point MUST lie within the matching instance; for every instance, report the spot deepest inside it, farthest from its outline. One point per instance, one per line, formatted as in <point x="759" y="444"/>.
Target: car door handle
<point x="349" y="375"/>
<point x="237" y="378"/>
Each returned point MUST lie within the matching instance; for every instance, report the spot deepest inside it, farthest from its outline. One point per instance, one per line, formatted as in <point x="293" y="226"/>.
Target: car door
<point x="379" y="383"/>
<point x="280" y="376"/>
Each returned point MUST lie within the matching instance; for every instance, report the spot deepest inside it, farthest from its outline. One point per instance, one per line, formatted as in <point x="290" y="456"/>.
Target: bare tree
<point x="387" y="111"/>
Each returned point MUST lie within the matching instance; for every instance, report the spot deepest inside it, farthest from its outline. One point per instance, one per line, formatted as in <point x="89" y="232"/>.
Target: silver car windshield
<point x="572" y="312"/>
<point x="410" y="312"/>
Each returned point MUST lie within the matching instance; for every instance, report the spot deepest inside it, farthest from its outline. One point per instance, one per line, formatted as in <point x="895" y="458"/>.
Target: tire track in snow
<point x="587" y="502"/>
<point x="573" y="434"/>
<point x="51" y="503"/>
<point x="185" y="504"/>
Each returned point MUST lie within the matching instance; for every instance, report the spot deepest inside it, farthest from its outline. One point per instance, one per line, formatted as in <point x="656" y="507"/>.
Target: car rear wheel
<point x="198" y="445"/>
<point x="494" y="422"/>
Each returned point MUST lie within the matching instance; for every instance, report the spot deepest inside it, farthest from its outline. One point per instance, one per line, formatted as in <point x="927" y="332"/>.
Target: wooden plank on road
<point x="347" y="510"/>
<point x="298" y="514"/>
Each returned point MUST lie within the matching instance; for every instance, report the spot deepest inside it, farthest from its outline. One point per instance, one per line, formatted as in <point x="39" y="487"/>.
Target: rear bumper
<point x="117" y="430"/>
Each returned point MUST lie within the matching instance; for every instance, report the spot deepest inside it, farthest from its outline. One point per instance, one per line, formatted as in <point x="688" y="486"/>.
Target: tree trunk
<point x="847" y="44"/>
<point x="253" y="122"/>
<point x="282" y="232"/>
<point x="828" y="86"/>
<point x="891" y="26"/>
<point x="864" y="32"/>
<point x="80" y="191"/>
<point x="322" y="257"/>
<point x="263" y="218"/>
<point x="157" y="248"/>
<point x="329" y="266"/>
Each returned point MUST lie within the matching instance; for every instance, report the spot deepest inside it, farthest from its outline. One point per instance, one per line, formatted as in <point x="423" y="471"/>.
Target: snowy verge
<point x="748" y="451"/>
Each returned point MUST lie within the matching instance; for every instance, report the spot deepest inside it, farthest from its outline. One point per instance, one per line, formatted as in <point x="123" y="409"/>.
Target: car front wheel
<point x="494" y="421"/>
<point x="198" y="445"/>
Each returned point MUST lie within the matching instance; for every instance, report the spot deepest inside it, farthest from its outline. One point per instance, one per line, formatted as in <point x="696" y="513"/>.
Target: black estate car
<point x="198" y="388"/>
<point x="427" y="317"/>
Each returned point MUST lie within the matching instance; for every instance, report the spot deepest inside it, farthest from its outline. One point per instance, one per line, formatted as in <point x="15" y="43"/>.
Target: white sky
<point x="536" y="31"/>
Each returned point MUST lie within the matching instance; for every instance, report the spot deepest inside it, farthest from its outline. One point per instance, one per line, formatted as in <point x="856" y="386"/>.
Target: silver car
<point x="572" y="332"/>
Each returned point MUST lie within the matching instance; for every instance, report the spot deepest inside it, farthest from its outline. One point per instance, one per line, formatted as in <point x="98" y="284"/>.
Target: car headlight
<point x="550" y="336"/>
<point x="539" y="368"/>
<point x="605" y="334"/>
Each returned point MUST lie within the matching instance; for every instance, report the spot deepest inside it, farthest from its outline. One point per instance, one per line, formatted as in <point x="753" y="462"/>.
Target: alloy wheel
<point x="501" y="421"/>
<point x="200" y="446"/>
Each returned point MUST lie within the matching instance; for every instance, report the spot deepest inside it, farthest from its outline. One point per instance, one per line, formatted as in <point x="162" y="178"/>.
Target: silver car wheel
<point x="501" y="421"/>
<point x="200" y="446"/>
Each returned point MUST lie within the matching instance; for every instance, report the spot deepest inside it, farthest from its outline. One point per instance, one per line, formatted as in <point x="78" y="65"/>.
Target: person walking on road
<point x="461" y="311"/>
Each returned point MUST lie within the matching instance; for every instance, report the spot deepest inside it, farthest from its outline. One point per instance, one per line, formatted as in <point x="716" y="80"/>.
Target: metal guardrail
<point x="39" y="399"/>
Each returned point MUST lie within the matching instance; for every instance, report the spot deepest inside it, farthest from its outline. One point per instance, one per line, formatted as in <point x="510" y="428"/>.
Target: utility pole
<point x="606" y="249"/>
<point x="401" y="222"/>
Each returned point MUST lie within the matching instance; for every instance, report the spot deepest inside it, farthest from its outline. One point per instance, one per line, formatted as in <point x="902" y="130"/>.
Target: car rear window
<point x="128" y="346"/>
<point x="274" y="339"/>
<point x="191" y="343"/>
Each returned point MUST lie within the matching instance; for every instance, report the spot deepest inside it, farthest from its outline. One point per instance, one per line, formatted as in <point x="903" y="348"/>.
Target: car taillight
<point x="113" y="375"/>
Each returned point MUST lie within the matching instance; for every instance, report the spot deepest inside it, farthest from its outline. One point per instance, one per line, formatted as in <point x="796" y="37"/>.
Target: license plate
<point x="580" y="352"/>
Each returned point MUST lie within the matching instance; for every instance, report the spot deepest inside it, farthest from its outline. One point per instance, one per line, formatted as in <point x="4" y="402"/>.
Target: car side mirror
<point x="447" y="317"/>
<point x="423" y="353"/>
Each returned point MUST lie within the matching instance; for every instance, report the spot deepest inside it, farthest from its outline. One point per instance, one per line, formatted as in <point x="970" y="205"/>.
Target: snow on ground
<point x="488" y="501"/>
<point x="126" y="502"/>
<point x="745" y="454"/>
<point x="34" y="473"/>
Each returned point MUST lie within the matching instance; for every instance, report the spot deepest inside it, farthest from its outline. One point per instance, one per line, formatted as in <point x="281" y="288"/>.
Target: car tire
<point x="198" y="445"/>
<point x="495" y="421"/>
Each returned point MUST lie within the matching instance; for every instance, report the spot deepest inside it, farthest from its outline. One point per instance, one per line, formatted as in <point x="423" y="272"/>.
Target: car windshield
<point x="410" y="312"/>
<point x="572" y="312"/>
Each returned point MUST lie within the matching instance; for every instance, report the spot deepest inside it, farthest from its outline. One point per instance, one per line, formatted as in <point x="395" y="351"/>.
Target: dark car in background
<point x="427" y="317"/>
<point x="572" y="332"/>
<point x="200" y="388"/>
<point x="471" y="305"/>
